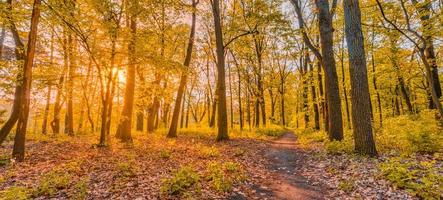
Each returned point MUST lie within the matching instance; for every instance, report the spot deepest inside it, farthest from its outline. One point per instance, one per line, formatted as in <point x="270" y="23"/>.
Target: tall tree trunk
<point x="18" y="151"/>
<point x="125" y="126"/>
<point x="183" y="79"/>
<point x="361" y="113"/>
<point x="222" y="118"/>
<point x="328" y="61"/>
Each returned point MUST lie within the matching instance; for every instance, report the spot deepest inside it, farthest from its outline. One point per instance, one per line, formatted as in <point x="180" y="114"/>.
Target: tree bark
<point x="222" y="118"/>
<point x="69" y="120"/>
<point x="124" y="129"/>
<point x="18" y="151"/>
<point x="328" y="62"/>
<point x="314" y="98"/>
<point x="183" y="79"/>
<point x="46" y="112"/>
<point x="361" y="113"/>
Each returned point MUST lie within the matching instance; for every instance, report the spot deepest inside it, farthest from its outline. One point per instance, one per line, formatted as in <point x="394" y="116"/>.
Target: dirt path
<point x="286" y="160"/>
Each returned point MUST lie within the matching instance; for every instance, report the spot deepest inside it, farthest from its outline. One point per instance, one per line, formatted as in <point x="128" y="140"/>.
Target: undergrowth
<point x="421" y="179"/>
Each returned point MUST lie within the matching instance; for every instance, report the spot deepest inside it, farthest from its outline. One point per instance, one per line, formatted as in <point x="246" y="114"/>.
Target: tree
<point x="361" y="109"/>
<point x="18" y="151"/>
<point x="183" y="79"/>
<point x="125" y="126"/>
<point x="20" y="56"/>
<point x="325" y="15"/>
<point x="222" y="116"/>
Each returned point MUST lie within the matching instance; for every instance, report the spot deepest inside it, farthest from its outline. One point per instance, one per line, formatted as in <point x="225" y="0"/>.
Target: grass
<point x="182" y="181"/>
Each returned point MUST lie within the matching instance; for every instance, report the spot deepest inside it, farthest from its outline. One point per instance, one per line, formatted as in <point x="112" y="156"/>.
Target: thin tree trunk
<point x="240" y="109"/>
<point x="343" y="81"/>
<point x="231" y="106"/>
<point x="69" y="120"/>
<point x="314" y="97"/>
<point x="304" y="63"/>
<point x="2" y="40"/>
<point x="183" y="79"/>
<point x="46" y="112"/>
<point x="374" y="82"/>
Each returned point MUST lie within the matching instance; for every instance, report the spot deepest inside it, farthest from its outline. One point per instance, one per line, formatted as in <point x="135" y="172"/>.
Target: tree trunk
<point x="231" y="106"/>
<point x="152" y="113"/>
<point x="2" y="41"/>
<point x="335" y="124"/>
<point x="222" y="118"/>
<point x="69" y="120"/>
<point x="140" y="121"/>
<point x="361" y="113"/>
<point x="343" y="80"/>
<point x="125" y="126"/>
<point x="424" y="10"/>
<point x="182" y="113"/>
<point x="20" y="56"/>
<point x="374" y="82"/>
<point x="18" y="151"/>
<point x="240" y="109"/>
<point x="46" y="112"/>
<point x="314" y="98"/>
<point x="304" y="63"/>
<point x="183" y="79"/>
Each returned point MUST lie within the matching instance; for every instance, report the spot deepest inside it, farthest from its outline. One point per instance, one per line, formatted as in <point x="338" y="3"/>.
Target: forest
<point x="221" y="99"/>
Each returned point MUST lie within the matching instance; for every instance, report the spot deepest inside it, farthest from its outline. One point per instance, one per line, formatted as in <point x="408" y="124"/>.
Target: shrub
<point x="52" y="182"/>
<point x="166" y="154"/>
<point x="346" y="185"/>
<point x="5" y="160"/>
<point x="217" y="178"/>
<point x="15" y="193"/>
<point x="182" y="180"/>
<point x="209" y="152"/>
<point x="223" y="176"/>
<point x="339" y="147"/>
<point x="419" y="178"/>
<point x="81" y="189"/>
<point x="272" y="131"/>
<point x="408" y="134"/>
<point x="127" y="169"/>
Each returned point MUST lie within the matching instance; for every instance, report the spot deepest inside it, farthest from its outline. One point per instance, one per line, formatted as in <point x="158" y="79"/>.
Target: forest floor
<point x="192" y="166"/>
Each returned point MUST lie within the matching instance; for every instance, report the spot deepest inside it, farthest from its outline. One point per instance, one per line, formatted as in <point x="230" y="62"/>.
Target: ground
<point x="268" y="168"/>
